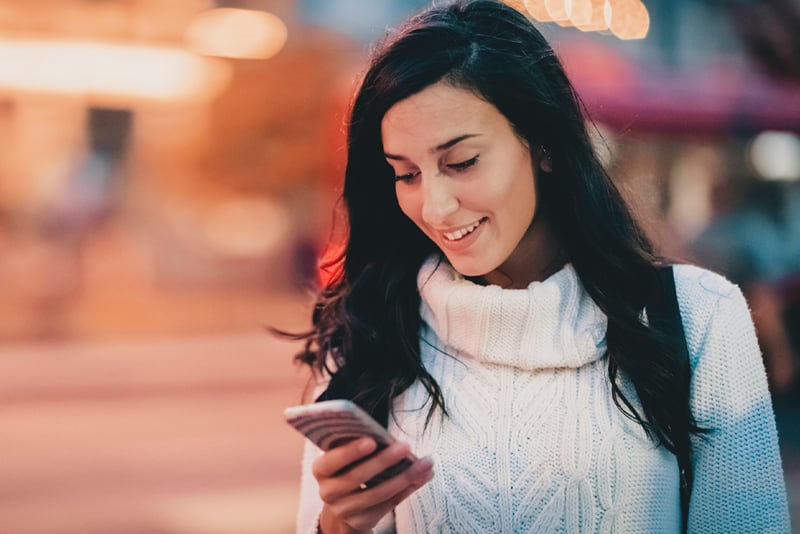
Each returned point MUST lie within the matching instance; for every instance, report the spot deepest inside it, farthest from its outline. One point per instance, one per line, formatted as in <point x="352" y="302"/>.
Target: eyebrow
<point x="444" y="146"/>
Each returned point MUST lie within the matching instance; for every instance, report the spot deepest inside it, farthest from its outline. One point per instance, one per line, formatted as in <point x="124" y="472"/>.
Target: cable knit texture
<point x="534" y="441"/>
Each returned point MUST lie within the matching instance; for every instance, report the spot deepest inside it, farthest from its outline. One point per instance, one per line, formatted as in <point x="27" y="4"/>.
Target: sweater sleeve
<point x="310" y="504"/>
<point x="738" y="477"/>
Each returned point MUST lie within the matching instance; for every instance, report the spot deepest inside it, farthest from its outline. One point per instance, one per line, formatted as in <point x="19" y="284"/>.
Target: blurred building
<point x="137" y="157"/>
<point x="147" y="148"/>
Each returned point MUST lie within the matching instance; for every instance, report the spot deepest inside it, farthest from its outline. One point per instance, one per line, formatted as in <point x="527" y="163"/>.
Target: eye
<point x="464" y="164"/>
<point x="405" y="177"/>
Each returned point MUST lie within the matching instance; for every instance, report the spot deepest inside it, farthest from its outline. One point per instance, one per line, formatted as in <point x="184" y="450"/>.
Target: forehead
<point x="436" y="114"/>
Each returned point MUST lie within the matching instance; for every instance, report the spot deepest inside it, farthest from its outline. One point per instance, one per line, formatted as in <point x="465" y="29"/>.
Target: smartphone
<point x="330" y="424"/>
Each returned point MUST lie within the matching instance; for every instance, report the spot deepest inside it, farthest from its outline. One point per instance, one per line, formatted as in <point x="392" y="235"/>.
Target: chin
<point x="468" y="268"/>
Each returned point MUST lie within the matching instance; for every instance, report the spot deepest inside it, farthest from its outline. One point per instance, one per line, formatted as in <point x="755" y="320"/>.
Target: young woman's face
<point x="463" y="176"/>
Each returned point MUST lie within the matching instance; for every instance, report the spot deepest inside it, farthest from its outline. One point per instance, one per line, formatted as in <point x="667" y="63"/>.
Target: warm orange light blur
<point x="587" y="15"/>
<point x="247" y="227"/>
<point x="111" y="73"/>
<point x="557" y="10"/>
<point x="627" y="19"/>
<point x="538" y="10"/>
<point x="519" y="5"/>
<point x="236" y="33"/>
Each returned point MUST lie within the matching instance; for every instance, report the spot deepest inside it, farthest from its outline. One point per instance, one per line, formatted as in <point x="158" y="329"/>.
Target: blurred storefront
<point x="152" y="147"/>
<point x="701" y="124"/>
<point x="158" y="150"/>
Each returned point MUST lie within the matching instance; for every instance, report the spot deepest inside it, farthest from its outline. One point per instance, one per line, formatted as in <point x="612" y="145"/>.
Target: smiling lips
<point x="462" y="232"/>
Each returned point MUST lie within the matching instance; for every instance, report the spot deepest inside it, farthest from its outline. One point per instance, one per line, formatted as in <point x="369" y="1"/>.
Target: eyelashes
<point x="405" y="177"/>
<point x="464" y="164"/>
<point x="458" y="167"/>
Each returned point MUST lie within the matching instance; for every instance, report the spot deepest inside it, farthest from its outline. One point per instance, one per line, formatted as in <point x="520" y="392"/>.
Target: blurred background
<point x="168" y="173"/>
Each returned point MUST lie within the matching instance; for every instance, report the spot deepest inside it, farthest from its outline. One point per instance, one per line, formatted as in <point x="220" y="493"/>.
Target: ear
<point x="543" y="159"/>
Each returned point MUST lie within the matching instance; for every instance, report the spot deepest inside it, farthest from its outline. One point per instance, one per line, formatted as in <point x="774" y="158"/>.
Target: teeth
<point x="458" y="234"/>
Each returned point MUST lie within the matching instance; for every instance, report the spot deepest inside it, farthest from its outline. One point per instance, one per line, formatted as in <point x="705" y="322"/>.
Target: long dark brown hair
<point x="367" y="321"/>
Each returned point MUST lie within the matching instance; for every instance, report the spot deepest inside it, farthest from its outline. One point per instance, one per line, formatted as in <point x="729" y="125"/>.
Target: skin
<point x="458" y="162"/>
<point x="349" y="509"/>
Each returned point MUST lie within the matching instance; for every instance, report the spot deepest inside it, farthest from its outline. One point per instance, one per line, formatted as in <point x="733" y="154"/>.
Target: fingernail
<point x="366" y="445"/>
<point x="426" y="463"/>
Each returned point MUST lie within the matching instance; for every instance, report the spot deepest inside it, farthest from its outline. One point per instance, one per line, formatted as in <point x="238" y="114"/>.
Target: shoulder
<point x="692" y="281"/>
<point x="708" y="300"/>
<point x="737" y="467"/>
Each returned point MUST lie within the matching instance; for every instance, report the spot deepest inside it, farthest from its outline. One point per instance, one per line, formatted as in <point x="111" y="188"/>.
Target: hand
<point x="348" y="507"/>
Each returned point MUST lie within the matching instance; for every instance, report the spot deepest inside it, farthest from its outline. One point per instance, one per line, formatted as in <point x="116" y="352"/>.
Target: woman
<point x="490" y="298"/>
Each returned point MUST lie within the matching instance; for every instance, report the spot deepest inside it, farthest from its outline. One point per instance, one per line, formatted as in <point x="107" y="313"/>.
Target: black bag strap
<point x="663" y="312"/>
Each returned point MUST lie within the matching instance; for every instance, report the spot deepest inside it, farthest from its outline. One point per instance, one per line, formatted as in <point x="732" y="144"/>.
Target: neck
<point x="536" y="258"/>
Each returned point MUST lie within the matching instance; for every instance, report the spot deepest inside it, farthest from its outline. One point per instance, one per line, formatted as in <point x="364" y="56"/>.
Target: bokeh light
<point x="587" y="15"/>
<point x="236" y="33"/>
<point x="557" y="10"/>
<point x="776" y="155"/>
<point x="627" y="19"/>
<point x="538" y="10"/>
<point x="108" y="72"/>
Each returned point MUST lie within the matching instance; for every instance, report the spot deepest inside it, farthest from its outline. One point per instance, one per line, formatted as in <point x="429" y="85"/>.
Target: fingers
<point x="363" y="509"/>
<point x="335" y="460"/>
<point x="343" y="483"/>
<point x="400" y="497"/>
<point x="397" y="488"/>
<point x="388" y="458"/>
<point x="342" y="474"/>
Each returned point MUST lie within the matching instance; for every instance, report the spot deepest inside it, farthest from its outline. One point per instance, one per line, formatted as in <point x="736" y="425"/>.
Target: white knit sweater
<point x="534" y="441"/>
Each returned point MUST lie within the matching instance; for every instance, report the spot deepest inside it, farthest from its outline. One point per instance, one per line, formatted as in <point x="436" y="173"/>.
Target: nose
<point x="439" y="200"/>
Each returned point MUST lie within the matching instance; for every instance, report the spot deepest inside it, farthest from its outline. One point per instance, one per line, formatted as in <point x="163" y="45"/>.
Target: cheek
<point x="517" y="193"/>
<point x="526" y="185"/>
<point x="527" y="200"/>
<point x="520" y="198"/>
<point x="528" y="195"/>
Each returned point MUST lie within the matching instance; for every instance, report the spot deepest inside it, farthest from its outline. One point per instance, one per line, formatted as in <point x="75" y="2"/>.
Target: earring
<point x="546" y="163"/>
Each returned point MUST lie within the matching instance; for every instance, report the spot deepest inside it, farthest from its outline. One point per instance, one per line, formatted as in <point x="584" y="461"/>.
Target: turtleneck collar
<point x="549" y="324"/>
